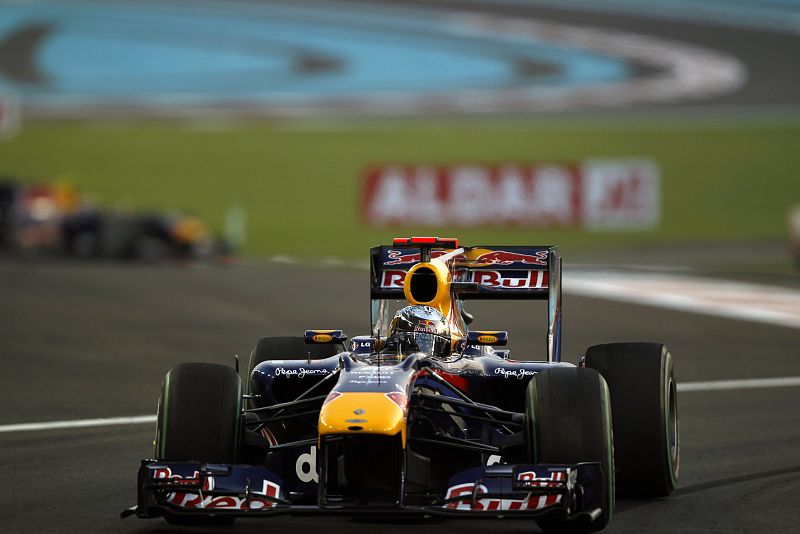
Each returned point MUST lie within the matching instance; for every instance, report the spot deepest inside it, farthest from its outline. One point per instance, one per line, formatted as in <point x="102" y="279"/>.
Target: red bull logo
<point x="502" y="257"/>
<point x="496" y="280"/>
<point x="425" y="325"/>
<point x="258" y="500"/>
<point x="473" y="500"/>
<point x="393" y="279"/>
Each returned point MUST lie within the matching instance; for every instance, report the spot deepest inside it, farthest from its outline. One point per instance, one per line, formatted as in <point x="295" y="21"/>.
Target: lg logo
<point x="306" y="466"/>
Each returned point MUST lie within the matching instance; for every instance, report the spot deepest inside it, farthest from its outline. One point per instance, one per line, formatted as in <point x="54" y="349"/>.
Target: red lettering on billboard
<point x="594" y="194"/>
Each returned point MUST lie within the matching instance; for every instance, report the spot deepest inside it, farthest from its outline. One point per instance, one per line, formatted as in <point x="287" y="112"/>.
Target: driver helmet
<point x="419" y="329"/>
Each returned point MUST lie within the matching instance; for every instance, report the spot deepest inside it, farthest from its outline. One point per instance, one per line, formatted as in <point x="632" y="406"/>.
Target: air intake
<point x="424" y="285"/>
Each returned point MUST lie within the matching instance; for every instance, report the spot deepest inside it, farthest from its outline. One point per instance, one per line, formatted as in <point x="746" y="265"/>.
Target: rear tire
<point x="570" y="422"/>
<point x="644" y="405"/>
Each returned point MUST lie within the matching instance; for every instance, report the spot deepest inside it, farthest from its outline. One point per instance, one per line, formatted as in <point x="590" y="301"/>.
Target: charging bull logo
<point x="475" y="257"/>
<point x="426" y="326"/>
<point x="396" y="257"/>
<point x="502" y="257"/>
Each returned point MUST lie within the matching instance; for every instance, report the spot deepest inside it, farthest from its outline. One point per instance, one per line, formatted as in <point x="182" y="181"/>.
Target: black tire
<point x="644" y="404"/>
<point x="287" y="348"/>
<point x="569" y="414"/>
<point x="199" y="414"/>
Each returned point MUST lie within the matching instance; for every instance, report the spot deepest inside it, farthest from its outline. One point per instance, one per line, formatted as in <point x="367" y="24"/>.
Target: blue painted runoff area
<point x="282" y="54"/>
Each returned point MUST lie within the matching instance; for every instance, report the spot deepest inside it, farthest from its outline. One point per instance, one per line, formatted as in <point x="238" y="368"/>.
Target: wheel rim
<point x="672" y="428"/>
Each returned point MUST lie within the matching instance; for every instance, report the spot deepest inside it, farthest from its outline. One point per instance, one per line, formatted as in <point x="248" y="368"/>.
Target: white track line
<point x="683" y="387"/>
<point x="754" y="383"/>
<point x="735" y="300"/>
<point x="80" y="423"/>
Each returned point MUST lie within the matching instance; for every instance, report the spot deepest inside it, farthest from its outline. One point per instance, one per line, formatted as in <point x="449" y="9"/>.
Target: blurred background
<point x="285" y="117"/>
<point x="657" y="143"/>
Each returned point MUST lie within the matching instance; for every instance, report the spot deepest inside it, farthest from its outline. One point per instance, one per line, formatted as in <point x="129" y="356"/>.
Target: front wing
<point x="194" y="489"/>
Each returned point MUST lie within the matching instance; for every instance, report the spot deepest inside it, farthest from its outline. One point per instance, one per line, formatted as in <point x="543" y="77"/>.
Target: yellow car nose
<point x="364" y="413"/>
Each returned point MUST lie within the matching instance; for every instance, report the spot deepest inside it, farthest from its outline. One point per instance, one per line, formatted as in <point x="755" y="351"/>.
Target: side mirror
<point x="495" y="338"/>
<point x="325" y="337"/>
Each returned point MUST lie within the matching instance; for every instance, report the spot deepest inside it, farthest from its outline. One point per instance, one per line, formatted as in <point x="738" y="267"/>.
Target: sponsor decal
<point x="487" y="339"/>
<point x="362" y="346"/>
<point x="505" y="280"/>
<point x="555" y="480"/>
<point x="397" y="257"/>
<point x="393" y="279"/>
<point x="530" y="502"/>
<point x="321" y="338"/>
<point x="426" y="326"/>
<point x="370" y="375"/>
<point x="300" y="372"/>
<point x="514" y="373"/>
<point x="501" y="257"/>
<point x="306" y="466"/>
<point x="256" y="501"/>
<point x="595" y="194"/>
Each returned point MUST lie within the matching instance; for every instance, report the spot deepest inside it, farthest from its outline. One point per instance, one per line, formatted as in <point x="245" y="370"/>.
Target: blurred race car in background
<point x="422" y="416"/>
<point x="148" y="237"/>
<point x="52" y="219"/>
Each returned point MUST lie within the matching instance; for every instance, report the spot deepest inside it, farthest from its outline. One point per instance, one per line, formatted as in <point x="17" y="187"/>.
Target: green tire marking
<point x="238" y="419"/>
<point x="667" y="426"/>
<point x="162" y="430"/>
<point x="532" y="420"/>
<point x="612" y="487"/>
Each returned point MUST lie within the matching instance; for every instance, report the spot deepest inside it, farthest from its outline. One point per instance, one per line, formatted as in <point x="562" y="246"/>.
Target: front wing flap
<point x="190" y="488"/>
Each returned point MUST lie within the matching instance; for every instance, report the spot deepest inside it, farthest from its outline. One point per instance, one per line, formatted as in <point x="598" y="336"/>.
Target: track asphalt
<point x="85" y="341"/>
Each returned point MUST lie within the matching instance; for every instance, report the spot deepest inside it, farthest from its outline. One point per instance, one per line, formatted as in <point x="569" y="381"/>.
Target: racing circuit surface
<point x="84" y="341"/>
<point x="89" y="341"/>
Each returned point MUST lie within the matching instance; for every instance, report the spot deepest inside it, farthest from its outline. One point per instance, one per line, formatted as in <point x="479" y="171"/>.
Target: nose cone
<point x="364" y="413"/>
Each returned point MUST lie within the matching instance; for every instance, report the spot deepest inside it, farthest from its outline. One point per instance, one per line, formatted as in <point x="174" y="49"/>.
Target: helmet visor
<point x="430" y="344"/>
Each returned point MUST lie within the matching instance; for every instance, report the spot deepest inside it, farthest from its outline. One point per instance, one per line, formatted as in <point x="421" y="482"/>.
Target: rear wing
<point x="509" y="272"/>
<point x="478" y="272"/>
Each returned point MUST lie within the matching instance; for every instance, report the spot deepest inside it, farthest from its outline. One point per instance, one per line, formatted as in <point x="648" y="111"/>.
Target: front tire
<point x="644" y="405"/>
<point x="569" y="414"/>
<point x="199" y="414"/>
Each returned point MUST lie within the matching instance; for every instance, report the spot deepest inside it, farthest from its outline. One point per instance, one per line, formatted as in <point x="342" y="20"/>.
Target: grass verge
<point x="300" y="182"/>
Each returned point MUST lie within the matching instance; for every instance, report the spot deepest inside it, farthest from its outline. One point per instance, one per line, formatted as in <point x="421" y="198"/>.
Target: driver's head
<point x="419" y="329"/>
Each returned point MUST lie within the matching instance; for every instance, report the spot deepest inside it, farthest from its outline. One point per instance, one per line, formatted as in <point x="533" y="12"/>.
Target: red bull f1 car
<point x="423" y="416"/>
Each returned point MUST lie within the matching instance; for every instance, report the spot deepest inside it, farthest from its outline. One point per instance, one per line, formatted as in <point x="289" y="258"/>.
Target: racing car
<point x="423" y="416"/>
